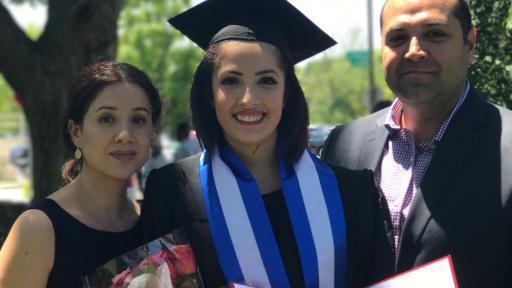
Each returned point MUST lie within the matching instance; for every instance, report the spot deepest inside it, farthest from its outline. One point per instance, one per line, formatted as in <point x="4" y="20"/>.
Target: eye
<point x="267" y="80"/>
<point x="139" y="120"/>
<point x="435" y="35"/>
<point x="230" y="80"/>
<point x="106" y="119"/>
<point x="396" y="39"/>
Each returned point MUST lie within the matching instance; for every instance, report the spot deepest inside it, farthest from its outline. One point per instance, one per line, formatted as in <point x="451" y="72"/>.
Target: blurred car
<point x="19" y="156"/>
<point x="317" y="135"/>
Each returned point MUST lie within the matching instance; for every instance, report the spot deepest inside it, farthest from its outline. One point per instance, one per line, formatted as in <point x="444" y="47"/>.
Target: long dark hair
<point x="84" y="91"/>
<point x="292" y="128"/>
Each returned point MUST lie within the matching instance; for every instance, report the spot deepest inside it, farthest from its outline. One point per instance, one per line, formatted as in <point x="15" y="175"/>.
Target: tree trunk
<point x="9" y="212"/>
<point x="78" y="33"/>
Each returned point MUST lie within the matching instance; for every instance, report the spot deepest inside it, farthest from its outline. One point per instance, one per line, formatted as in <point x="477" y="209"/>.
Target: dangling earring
<point x="78" y="154"/>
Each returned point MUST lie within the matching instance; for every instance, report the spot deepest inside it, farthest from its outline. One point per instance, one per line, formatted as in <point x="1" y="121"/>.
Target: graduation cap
<point x="276" y="22"/>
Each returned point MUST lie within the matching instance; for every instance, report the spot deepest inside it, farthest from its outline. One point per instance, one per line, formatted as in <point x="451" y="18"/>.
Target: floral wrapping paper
<point x="160" y="263"/>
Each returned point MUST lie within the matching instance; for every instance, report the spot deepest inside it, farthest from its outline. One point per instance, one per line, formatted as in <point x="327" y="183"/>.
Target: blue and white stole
<point x="242" y="233"/>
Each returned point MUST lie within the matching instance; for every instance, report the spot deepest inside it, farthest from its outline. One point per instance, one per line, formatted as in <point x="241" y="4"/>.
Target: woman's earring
<point x="78" y="154"/>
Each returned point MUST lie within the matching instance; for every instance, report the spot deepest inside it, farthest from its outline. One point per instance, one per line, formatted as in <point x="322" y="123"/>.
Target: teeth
<point x="248" y="118"/>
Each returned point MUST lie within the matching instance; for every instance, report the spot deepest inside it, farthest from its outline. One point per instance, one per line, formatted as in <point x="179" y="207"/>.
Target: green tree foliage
<point x="147" y="41"/>
<point x="7" y="103"/>
<point x="337" y="91"/>
<point x="332" y="96"/>
<point x="492" y="71"/>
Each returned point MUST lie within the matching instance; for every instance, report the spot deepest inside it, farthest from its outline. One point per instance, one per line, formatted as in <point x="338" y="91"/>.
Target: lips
<point x="417" y="68"/>
<point x="123" y="155"/>
<point x="417" y="71"/>
<point x="249" y="117"/>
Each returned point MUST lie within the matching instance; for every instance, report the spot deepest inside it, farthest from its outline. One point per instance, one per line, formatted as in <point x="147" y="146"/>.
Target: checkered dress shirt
<point x="404" y="163"/>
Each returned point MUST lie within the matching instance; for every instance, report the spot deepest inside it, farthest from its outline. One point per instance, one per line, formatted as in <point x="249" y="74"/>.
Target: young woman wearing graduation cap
<point x="257" y="207"/>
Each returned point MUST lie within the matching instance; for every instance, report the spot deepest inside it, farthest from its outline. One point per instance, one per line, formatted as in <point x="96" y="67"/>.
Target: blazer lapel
<point x="373" y="145"/>
<point x="194" y="196"/>
<point x="452" y="154"/>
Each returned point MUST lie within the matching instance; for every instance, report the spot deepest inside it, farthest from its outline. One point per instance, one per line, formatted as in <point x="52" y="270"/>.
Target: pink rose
<point x="119" y="279"/>
<point x="184" y="260"/>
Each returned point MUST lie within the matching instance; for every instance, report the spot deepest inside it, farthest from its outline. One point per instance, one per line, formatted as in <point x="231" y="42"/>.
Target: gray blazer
<point x="464" y="204"/>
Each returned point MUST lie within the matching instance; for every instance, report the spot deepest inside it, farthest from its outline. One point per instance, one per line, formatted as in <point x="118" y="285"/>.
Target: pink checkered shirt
<point x="404" y="164"/>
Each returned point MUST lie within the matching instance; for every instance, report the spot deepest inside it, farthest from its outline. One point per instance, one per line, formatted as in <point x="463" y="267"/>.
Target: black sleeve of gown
<point x="163" y="208"/>
<point x="370" y="255"/>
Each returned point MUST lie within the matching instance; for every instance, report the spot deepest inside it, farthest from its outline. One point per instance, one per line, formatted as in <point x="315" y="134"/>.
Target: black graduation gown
<point x="174" y="200"/>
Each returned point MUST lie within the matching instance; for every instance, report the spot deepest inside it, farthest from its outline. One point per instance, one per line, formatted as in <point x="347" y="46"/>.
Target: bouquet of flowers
<point x="174" y="268"/>
<point x="158" y="264"/>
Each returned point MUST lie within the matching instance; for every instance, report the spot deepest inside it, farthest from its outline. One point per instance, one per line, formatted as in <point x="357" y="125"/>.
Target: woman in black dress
<point x="257" y="207"/>
<point x="112" y="115"/>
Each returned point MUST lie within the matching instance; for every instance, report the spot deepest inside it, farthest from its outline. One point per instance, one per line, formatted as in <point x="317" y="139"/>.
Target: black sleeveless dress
<point x="80" y="249"/>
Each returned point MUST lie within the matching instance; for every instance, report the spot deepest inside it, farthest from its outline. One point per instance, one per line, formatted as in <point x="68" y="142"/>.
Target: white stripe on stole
<point x="318" y="217"/>
<point x="239" y="226"/>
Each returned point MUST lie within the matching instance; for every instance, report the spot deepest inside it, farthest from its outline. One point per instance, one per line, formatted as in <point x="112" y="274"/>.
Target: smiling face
<point x="248" y="91"/>
<point x="116" y="131"/>
<point x="424" y="54"/>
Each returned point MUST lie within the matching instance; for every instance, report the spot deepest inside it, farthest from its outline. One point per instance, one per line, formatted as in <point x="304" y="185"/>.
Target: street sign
<point x="358" y="58"/>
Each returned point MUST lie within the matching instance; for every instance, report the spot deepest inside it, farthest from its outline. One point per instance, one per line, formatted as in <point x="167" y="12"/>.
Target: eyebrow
<point x="141" y="109"/>
<point x="266" y="72"/>
<point x="112" y="108"/>
<point x="400" y="27"/>
<point x="436" y="23"/>
<point x="234" y="72"/>
<point x="272" y="71"/>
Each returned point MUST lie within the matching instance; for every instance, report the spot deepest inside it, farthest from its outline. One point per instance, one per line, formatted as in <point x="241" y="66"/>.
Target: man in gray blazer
<point x="442" y="155"/>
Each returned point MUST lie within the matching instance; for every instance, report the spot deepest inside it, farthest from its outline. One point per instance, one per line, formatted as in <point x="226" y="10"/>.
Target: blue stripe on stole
<point x="300" y="224"/>
<point x="335" y="209"/>
<point x="219" y="230"/>
<point x="260" y="222"/>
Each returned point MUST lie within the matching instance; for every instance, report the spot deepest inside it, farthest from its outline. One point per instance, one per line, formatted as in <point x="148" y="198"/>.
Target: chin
<point x="122" y="174"/>
<point x="121" y="177"/>
<point x="250" y="139"/>
<point x="417" y="93"/>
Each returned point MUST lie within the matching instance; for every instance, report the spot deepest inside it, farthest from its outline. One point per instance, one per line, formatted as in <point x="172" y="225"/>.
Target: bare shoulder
<point x="34" y="223"/>
<point x="28" y="247"/>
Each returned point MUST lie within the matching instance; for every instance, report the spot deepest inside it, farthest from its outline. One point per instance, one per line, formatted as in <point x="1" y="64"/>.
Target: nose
<point x="249" y="96"/>
<point x="124" y="135"/>
<point x="416" y="51"/>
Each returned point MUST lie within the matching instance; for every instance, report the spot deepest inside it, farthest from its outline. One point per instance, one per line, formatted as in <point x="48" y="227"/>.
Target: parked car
<point x="20" y="157"/>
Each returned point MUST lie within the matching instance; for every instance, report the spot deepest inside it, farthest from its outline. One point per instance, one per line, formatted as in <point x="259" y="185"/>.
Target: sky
<point x="343" y="20"/>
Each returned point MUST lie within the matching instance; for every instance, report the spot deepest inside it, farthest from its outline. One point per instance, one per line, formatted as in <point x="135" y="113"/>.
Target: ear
<point x="75" y="131"/>
<point x="472" y="43"/>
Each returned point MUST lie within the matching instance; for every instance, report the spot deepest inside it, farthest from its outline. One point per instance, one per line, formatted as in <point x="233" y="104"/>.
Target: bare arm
<point x="27" y="255"/>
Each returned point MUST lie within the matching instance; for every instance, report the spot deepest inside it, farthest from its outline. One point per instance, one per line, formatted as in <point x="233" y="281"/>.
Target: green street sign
<point x="358" y="58"/>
